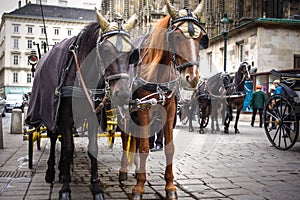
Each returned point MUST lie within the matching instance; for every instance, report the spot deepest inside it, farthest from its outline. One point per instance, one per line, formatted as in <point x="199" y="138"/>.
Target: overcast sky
<point x="7" y="6"/>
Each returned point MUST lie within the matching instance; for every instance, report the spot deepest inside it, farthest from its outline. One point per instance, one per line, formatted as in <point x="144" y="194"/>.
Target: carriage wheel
<point x="281" y="123"/>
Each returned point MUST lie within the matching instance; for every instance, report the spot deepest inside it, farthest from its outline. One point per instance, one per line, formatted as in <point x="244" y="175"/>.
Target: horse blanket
<point x="44" y="100"/>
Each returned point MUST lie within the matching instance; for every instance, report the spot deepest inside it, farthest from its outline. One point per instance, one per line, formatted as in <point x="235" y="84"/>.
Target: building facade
<point x="23" y="30"/>
<point x="263" y="32"/>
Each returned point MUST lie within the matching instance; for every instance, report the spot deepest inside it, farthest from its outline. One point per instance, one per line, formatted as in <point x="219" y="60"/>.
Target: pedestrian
<point x="257" y="102"/>
<point x="278" y="88"/>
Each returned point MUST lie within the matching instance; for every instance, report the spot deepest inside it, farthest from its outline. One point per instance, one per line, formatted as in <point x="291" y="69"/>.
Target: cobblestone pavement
<point x="208" y="166"/>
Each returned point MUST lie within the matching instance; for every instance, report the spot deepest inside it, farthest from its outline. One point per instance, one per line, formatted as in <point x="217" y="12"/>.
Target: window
<point x="43" y="31"/>
<point x="210" y="62"/>
<point x="69" y="32"/>
<point x="29" y="30"/>
<point x="241" y="52"/>
<point x="15" y="77"/>
<point x="15" y="59"/>
<point x="297" y="61"/>
<point x="56" y="31"/>
<point x="28" y="77"/>
<point x="16" y="28"/>
<point x="16" y="43"/>
<point x="29" y="44"/>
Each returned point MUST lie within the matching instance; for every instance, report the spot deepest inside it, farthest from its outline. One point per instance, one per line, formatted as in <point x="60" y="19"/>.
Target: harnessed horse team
<point x="102" y="64"/>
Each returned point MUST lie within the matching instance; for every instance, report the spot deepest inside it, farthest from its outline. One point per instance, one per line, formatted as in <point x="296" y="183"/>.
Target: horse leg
<point x="228" y="117"/>
<point x="171" y="193"/>
<point x="93" y="154"/>
<point x="144" y="122"/>
<point x="50" y="173"/>
<point x="238" y="112"/>
<point x="66" y="124"/>
<point x="190" y="118"/>
<point x="127" y="155"/>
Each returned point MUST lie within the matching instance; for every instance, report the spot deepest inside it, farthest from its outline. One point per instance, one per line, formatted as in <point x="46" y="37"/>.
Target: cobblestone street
<point x="208" y="166"/>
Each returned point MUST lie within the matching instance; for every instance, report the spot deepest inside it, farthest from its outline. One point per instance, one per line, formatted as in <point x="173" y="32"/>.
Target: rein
<point x="84" y="86"/>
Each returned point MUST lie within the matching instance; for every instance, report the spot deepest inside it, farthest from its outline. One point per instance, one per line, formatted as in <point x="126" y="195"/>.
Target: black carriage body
<point x="282" y="112"/>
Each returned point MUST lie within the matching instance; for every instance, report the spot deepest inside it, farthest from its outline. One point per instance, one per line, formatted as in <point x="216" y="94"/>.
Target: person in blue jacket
<point x="278" y="88"/>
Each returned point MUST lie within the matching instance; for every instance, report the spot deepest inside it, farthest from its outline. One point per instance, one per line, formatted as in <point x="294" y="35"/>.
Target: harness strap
<point x="73" y="91"/>
<point x="184" y="65"/>
<point x="151" y="86"/>
<point x="82" y="81"/>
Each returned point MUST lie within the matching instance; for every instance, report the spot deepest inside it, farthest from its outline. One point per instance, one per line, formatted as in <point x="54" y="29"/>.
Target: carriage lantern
<point x="225" y="29"/>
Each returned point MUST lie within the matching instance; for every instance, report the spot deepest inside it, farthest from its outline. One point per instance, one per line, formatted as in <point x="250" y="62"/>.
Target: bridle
<point x="107" y="79"/>
<point x="121" y="34"/>
<point x="173" y="27"/>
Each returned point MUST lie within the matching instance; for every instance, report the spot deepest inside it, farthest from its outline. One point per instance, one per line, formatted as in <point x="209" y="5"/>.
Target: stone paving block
<point x="209" y="194"/>
<point x="235" y="191"/>
<point x="221" y="186"/>
<point x="194" y="188"/>
<point x="247" y="197"/>
<point x="14" y="197"/>
<point x="14" y="192"/>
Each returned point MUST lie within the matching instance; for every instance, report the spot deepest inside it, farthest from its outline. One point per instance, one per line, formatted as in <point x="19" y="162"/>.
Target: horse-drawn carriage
<point x="220" y="93"/>
<point x="282" y="112"/>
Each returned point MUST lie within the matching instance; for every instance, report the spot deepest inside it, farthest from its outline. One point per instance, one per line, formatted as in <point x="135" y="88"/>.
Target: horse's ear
<point x="131" y="23"/>
<point x="134" y="57"/>
<point x="171" y="9"/>
<point x="104" y="24"/>
<point x="204" y="41"/>
<point x="198" y="11"/>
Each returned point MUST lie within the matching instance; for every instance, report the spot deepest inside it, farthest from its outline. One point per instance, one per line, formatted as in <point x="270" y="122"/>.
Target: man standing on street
<point x="257" y="102"/>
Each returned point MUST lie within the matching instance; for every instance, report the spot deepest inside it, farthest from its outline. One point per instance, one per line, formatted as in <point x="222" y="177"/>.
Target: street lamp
<point x="225" y="29"/>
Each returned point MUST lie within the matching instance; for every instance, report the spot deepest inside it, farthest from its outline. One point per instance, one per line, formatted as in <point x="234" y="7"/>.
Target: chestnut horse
<point x="95" y="68"/>
<point x="169" y="59"/>
<point x="236" y="93"/>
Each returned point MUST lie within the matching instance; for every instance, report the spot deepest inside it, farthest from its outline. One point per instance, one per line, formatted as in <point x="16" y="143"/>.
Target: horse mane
<point x="88" y="40"/>
<point x="156" y="45"/>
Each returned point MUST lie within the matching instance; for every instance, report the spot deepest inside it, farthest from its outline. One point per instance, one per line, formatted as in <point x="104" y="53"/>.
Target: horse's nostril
<point x="187" y="77"/>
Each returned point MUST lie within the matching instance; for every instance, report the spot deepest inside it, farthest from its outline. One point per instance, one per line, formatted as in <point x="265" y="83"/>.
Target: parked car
<point x="2" y="107"/>
<point x="14" y="100"/>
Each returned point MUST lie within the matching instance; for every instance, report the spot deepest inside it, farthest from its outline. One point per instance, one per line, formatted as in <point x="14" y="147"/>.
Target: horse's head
<point x="245" y="70"/>
<point x="116" y="54"/>
<point x="241" y="76"/>
<point x="184" y="39"/>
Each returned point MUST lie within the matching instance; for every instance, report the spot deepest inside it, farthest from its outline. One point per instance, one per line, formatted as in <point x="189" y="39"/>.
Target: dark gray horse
<point x="237" y="95"/>
<point x="210" y="95"/>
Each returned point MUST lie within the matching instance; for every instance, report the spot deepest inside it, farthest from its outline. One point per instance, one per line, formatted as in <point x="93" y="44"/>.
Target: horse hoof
<point x="225" y="131"/>
<point x="64" y="196"/>
<point x="136" y="196"/>
<point x="50" y="176"/>
<point x="123" y="176"/>
<point x="171" y="195"/>
<point x="99" y="196"/>
<point x="237" y="131"/>
<point x="218" y="129"/>
<point x="201" y="131"/>
<point x="191" y="129"/>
